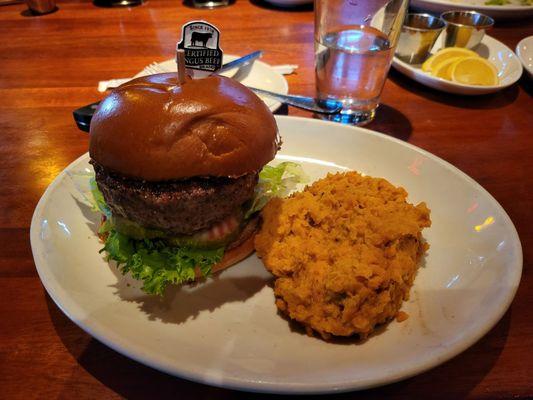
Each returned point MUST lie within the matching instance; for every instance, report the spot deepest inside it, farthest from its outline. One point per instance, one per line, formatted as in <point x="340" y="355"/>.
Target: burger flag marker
<point x="180" y="62"/>
<point x="200" y="43"/>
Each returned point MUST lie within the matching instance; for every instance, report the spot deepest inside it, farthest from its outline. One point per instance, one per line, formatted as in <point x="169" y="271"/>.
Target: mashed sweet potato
<point x="345" y="252"/>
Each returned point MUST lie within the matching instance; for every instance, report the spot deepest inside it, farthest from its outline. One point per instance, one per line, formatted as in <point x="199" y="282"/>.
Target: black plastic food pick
<point x="202" y="56"/>
<point x="200" y="42"/>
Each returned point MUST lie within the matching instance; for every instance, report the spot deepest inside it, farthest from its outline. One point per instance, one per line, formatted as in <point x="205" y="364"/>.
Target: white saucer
<point x="506" y="62"/>
<point x="524" y="51"/>
<point x="257" y="74"/>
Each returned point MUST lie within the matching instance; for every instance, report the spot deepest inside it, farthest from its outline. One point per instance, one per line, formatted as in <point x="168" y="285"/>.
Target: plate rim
<point x="115" y="342"/>
<point x="444" y="85"/>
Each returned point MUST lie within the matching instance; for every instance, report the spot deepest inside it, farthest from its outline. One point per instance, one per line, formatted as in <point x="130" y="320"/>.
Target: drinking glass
<point x="354" y="46"/>
<point x="40" y="7"/>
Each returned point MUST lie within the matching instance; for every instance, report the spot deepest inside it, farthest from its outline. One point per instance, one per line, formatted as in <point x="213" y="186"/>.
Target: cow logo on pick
<point x="200" y="41"/>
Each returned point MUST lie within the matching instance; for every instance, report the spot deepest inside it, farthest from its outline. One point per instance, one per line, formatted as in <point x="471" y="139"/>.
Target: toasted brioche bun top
<point x="154" y="129"/>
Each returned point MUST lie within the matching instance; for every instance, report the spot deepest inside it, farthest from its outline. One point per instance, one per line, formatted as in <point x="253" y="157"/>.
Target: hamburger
<point x="176" y="175"/>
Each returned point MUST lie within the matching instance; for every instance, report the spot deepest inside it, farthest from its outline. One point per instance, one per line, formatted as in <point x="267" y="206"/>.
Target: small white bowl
<point x="524" y="51"/>
<point x="506" y="62"/>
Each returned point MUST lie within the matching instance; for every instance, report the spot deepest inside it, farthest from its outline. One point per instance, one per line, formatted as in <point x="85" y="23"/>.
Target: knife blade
<point x="242" y="61"/>
<point x="155" y="68"/>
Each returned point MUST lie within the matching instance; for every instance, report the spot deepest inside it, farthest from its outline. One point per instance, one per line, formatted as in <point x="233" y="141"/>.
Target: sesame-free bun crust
<point x="154" y="129"/>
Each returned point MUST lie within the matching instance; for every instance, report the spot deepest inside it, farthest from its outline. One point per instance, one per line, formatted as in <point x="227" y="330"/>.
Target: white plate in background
<point x="289" y="3"/>
<point x="524" y="51"/>
<point x="227" y="332"/>
<point x="508" y="11"/>
<point x="506" y="62"/>
<point x="257" y="74"/>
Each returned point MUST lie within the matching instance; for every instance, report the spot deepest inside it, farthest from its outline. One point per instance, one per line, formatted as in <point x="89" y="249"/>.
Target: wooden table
<point x="50" y="65"/>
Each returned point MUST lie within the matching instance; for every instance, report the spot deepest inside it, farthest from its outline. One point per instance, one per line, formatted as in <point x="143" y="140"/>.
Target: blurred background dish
<point x="289" y="3"/>
<point x="508" y="11"/>
<point x="524" y="51"/>
<point x="506" y="62"/>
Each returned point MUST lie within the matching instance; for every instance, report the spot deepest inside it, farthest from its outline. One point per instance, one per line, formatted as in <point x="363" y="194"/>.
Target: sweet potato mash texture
<point x="345" y="252"/>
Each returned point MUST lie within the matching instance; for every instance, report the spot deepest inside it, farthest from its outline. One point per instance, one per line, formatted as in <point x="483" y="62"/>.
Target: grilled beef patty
<point x="176" y="207"/>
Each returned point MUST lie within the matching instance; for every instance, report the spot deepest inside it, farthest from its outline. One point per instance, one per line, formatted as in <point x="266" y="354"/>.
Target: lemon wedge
<point x="474" y="71"/>
<point x="445" y="54"/>
<point x="461" y="65"/>
<point x="443" y="70"/>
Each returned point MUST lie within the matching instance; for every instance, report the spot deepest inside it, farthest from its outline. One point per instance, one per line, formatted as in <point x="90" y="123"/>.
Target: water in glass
<point x="351" y="66"/>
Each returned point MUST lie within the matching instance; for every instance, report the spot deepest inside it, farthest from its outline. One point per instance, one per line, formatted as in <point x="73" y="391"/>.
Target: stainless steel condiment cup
<point x="419" y="33"/>
<point x="465" y="28"/>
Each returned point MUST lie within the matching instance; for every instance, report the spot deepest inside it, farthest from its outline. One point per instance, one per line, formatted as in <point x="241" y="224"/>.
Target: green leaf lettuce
<point x="155" y="261"/>
<point x="276" y="181"/>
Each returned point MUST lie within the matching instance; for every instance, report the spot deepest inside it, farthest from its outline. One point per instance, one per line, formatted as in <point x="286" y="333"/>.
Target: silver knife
<point x="245" y="60"/>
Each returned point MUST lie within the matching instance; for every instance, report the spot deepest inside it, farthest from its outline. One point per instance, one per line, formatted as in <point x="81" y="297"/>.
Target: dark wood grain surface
<point x="50" y="65"/>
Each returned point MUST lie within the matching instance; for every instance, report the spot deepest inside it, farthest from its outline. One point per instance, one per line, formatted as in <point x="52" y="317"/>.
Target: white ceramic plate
<point x="506" y="62"/>
<point x="257" y="74"/>
<point x="508" y="11"/>
<point x="524" y="51"/>
<point x="227" y="332"/>
<point x="289" y="3"/>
